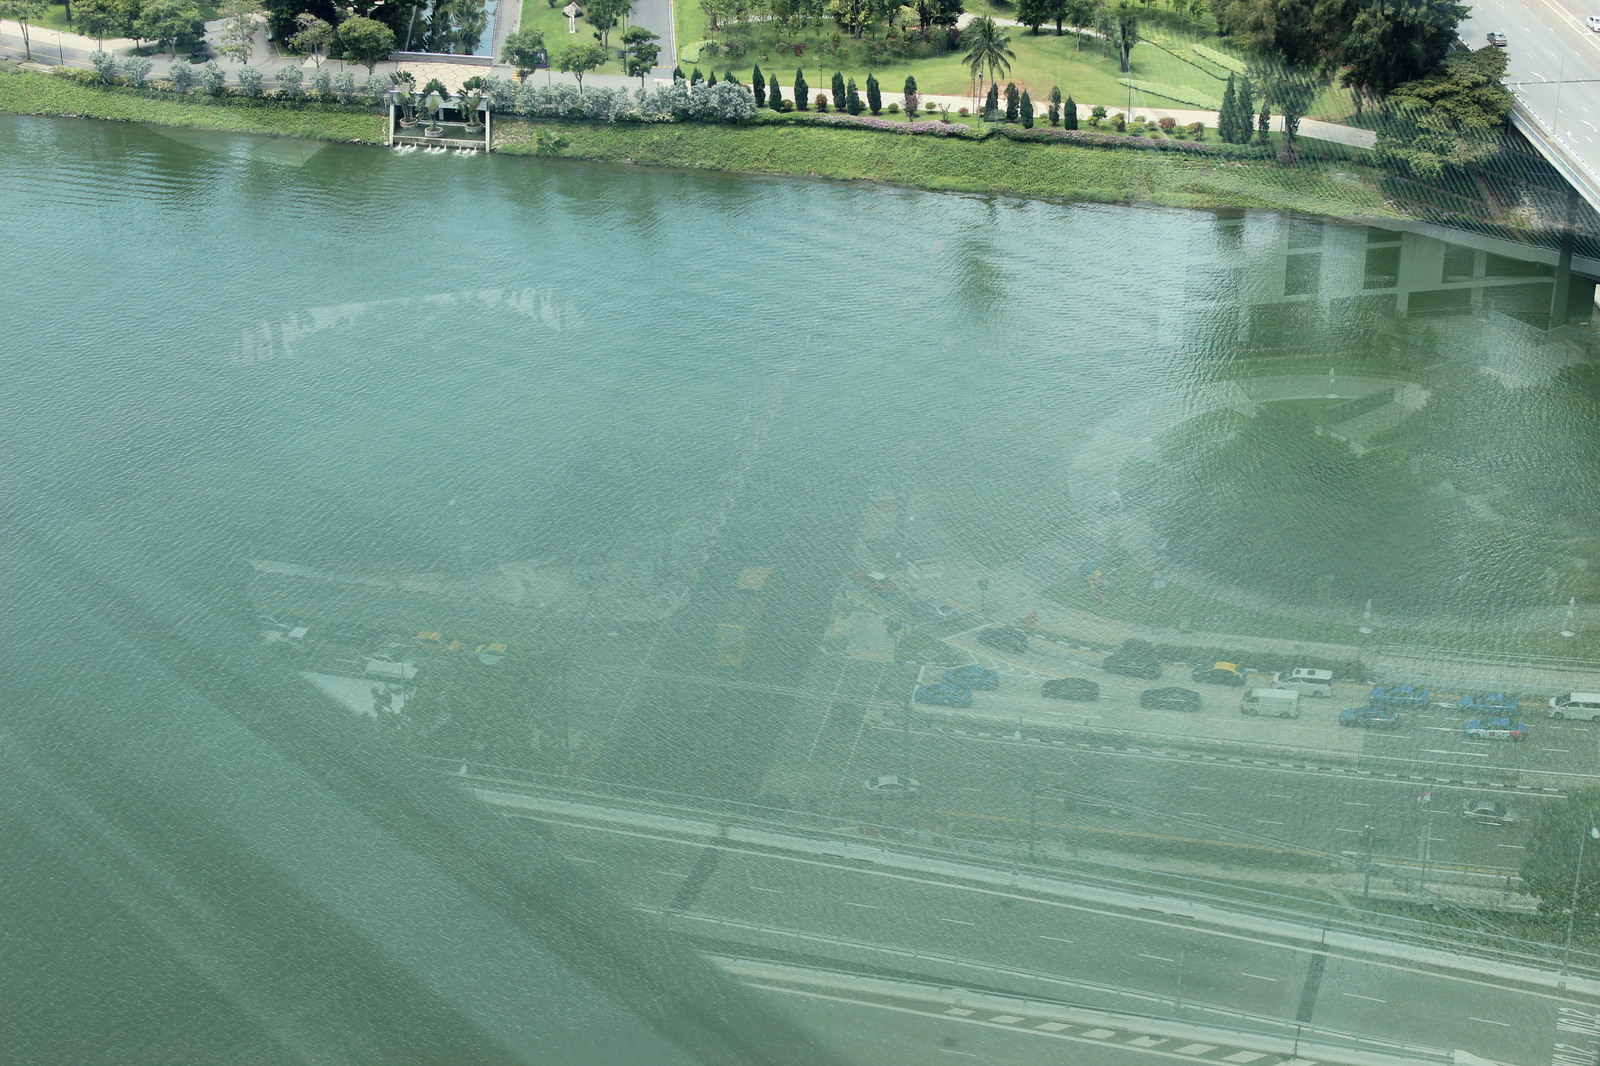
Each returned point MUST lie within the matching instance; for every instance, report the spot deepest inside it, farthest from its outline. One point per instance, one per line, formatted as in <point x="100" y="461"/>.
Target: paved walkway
<point x="55" y="48"/>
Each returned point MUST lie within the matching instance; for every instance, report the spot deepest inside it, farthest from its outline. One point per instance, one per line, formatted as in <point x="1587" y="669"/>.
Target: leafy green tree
<point x="774" y="94"/>
<point x="98" y="19"/>
<point x="1079" y="14"/>
<point x="365" y="41"/>
<point x="1025" y="110"/>
<point x="1295" y="45"/>
<point x="182" y="77"/>
<point x="940" y="13"/>
<point x="344" y="86"/>
<point x="1228" y="117"/>
<point x="580" y="59"/>
<point x="313" y="38"/>
<point x="852" y="98"/>
<point x="1550" y="862"/>
<point x="802" y="91"/>
<point x="991" y="104"/>
<point x="1123" y="26"/>
<point x="874" y="95"/>
<point x="837" y="87"/>
<point x="1390" y="42"/>
<point x="1454" y="118"/>
<point x="909" y="99"/>
<point x="1033" y="14"/>
<point x="1013" y="101"/>
<point x="167" y="22"/>
<point x="1069" y="114"/>
<point x="322" y="83"/>
<point x="1055" y="105"/>
<point x="603" y="15"/>
<point x="643" y="51"/>
<point x="524" y="50"/>
<point x="24" y="13"/>
<point x="250" y="81"/>
<point x="988" y="48"/>
<point x="758" y="84"/>
<point x="240" y="20"/>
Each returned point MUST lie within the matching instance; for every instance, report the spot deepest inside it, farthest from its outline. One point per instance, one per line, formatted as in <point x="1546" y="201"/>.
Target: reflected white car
<point x="1593" y="22"/>
<point x="892" y="785"/>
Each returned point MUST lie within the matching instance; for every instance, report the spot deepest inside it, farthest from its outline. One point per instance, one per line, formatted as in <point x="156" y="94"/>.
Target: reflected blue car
<point x="975" y="677"/>
<point x="1398" y="696"/>
<point x="1368" y="717"/>
<point x="943" y="694"/>
<point x="1488" y="703"/>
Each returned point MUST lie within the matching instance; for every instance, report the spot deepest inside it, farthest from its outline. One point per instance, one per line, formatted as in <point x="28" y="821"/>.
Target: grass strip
<point x="996" y="165"/>
<point x="1182" y="94"/>
<point x="27" y="92"/>
<point x="1221" y="59"/>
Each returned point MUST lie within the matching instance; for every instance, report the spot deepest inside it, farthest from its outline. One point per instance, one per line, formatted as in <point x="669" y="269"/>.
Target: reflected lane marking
<point x="1057" y="939"/>
<point x="957" y="921"/>
<point x="758" y="888"/>
<point x="1264" y="821"/>
<point x="1519" y="847"/>
<point x="1356" y="803"/>
<point x="865" y="906"/>
<point x="1474" y="754"/>
<point x="1257" y="976"/>
<point x="1372" y="999"/>
<point x="1202" y="788"/>
<point x="1158" y="958"/>
<point x="1488" y="1021"/>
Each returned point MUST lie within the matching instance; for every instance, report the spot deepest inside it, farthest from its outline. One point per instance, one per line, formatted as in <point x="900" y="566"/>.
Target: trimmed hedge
<point x="1181" y="94"/>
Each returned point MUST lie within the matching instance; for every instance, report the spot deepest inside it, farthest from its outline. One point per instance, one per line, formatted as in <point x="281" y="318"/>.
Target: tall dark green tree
<point x="1025" y="110"/>
<point x="852" y="97"/>
<point x="1055" y="105"/>
<point x="1228" y="117"/>
<point x="1558" y="831"/>
<point x="1390" y="42"/>
<point x="1295" y="45"/>
<point x="1033" y="14"/>
<point x="912" y="100"/>
<point x="695" y="77"/>
<point x="1069" y="114"/>
<point x="1264" y="124"/>
<point x="1246" y="110"/>
<point x="728" y="77"/>
<point x="774" y="94"/>
<point x="991" y="104"/>
<point x="758" y="84"/>
<point x="874" y="95"/>
<point x="802" y="91"/>
<point x="1013" y="101"/>
<point x="836" y="89"/>
<point x="677" y="73"/>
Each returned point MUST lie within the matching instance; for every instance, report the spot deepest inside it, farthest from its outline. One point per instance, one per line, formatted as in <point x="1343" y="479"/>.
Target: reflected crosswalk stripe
<point x="1006" y="1019"/>
<point x="1195" y="1049"/>
<point x="1243" y="1056"/>
<point x="1099" y="1034"/>
<point x="960" y="1012"/>
<point x="1052" y="1027"/>
<point x="1148" y="1041"/>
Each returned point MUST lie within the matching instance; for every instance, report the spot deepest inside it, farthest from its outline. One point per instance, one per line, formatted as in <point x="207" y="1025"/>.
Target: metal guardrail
<point x="1296" y="910"/>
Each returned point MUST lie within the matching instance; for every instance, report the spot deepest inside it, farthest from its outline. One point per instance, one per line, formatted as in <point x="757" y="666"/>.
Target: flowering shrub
<point x="1166" y="122"/>
<point x="867" y="122"/>
<point x="1111" y="140"/>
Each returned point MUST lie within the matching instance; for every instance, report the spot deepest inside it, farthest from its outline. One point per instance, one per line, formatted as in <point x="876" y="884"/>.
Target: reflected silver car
<point x="1488" y="812"/>
<point x="892" y="785"/>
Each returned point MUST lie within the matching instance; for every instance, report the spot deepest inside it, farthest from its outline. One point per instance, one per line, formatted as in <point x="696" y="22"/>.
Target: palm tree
<point x="987" y="47"/>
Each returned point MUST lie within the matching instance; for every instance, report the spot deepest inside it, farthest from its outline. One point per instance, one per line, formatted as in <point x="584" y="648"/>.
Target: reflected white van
<point x="1576" y="705"/>
<point x="1311" y="682"/>
<point x="1271" y="702"/>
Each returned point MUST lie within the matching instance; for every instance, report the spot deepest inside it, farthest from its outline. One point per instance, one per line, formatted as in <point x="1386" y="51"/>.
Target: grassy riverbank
<point x="27" y="92"/>
<point x="1064" y="172"/>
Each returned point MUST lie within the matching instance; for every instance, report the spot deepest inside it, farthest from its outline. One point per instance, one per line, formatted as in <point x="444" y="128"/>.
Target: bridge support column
<point x="1563" y="281"/>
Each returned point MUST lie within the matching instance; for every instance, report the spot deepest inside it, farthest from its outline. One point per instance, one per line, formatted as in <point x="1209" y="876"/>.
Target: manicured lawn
<point x="1076" y="65"/>
<point x="553" y="24"/>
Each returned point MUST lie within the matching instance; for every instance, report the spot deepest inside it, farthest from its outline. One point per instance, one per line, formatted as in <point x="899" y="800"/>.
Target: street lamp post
<point x="1577" y="878"/>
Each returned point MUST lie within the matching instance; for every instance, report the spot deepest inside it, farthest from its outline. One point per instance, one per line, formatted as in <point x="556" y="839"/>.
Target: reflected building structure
<point x="1315" y="279"/>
